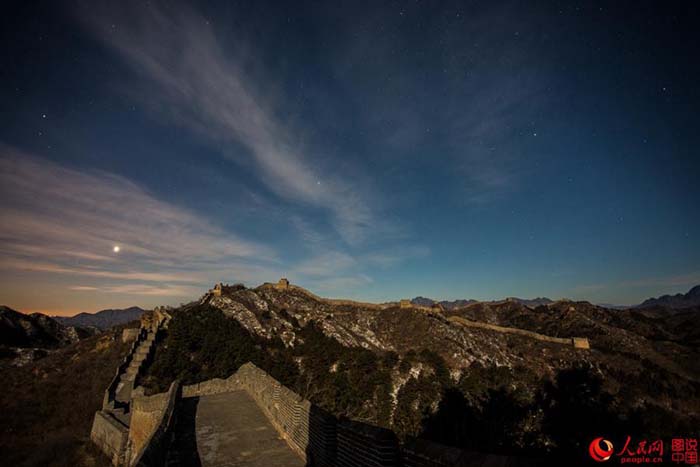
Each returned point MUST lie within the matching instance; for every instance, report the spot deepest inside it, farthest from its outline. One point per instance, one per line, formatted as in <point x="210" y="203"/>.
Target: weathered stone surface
<point x="109" y="435"/>
<point x="581" y="343"/>
<point x="151" y="423"/>
<point x="130" y="334"/>
<point x="230" y="429"/>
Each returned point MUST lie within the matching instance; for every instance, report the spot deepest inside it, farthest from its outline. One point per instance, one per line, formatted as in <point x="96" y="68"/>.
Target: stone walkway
<point x="228" y="430"/>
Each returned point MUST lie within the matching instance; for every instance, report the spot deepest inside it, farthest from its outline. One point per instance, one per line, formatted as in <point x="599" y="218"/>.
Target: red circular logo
<point x="597" y="452"/>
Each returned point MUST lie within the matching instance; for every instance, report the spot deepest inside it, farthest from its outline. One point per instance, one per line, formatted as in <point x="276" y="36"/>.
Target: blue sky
<point x="363" y="151"/>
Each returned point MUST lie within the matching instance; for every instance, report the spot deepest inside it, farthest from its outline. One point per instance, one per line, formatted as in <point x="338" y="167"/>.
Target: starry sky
<point x="368" y="150"/>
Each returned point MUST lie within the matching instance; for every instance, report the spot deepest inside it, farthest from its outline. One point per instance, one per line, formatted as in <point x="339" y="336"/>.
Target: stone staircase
<point x="127" y="379"/>
<point x="110" y="427"/>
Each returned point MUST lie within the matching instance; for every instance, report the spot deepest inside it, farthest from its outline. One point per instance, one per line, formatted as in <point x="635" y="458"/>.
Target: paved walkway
<point x="228" y="430"/>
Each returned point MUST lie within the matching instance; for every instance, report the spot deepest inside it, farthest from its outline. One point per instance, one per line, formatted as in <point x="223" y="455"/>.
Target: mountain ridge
<point x="674" y="302"/>
<point x="459" y="303"/>
<point x="102" y="319"/>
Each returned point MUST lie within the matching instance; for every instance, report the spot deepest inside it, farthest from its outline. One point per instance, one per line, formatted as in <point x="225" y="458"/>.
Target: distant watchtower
<point x="405" y="303"/>
<point x="216" y="291"/>
<point x="282" y="284"/>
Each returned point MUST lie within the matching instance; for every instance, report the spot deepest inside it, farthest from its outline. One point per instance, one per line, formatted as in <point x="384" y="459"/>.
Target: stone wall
<point x="110" y="430"/>
<point x="110" y="436"/>
<point x="577" y="342"/>
<point x="323" y="440"/>
<point x="155" y="319"/>
<point x="213" y="386"/>
<point x="130" y="334"/>
<point x="151" y="419"/>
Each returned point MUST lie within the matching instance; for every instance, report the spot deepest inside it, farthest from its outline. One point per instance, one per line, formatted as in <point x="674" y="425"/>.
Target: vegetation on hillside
<point x="47" y="407"/>
<point x="486" y="408"/>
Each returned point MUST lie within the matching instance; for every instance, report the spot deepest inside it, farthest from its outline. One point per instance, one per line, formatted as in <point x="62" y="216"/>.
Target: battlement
<point x="221" y="288"/>
<point x="216" y="291"/>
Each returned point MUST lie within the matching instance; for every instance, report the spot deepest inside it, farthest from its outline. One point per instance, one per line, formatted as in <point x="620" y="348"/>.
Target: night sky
<point x="369" y="150"/>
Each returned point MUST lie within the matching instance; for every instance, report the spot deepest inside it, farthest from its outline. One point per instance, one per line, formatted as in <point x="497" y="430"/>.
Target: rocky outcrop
<point x="26" y="338"/>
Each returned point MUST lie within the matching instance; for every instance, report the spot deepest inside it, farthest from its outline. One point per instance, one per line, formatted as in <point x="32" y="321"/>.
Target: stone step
<point x="135" y="363"/>
<point x="138" y="358"/>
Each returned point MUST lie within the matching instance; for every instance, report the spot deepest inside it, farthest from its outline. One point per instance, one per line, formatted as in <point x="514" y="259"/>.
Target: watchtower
<point x="282" y="284"/>
<point x="216" y="291"/>
<point x="581" y="343"/>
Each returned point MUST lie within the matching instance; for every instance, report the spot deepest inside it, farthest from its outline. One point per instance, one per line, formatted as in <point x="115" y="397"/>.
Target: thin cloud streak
<point x="196" y="83"/>
<point x="140" y="289"/>
<point x="65" y="222"/>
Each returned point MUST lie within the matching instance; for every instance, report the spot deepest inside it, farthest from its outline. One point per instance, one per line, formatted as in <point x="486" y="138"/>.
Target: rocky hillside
<point x="268" y="312"/>
<point x="422" y="369"/>
<point x="26" y="337"/>
<point x="102" y="319"/>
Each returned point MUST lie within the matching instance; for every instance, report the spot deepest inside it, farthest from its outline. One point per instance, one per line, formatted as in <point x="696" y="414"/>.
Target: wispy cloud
<point x="143" y="289"/>
<point x="189" y="75"/>
<point x="65" y="222"/>
<point x="326" y="264"/>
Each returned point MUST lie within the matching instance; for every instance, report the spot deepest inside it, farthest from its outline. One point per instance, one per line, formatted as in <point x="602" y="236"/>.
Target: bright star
<point x="116" y="248"/>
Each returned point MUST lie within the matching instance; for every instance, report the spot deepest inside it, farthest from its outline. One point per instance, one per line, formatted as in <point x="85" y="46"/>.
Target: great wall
<point x="251" y="418"/>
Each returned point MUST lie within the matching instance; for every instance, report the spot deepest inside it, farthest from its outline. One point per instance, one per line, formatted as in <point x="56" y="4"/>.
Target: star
<point x="116" y="249"/>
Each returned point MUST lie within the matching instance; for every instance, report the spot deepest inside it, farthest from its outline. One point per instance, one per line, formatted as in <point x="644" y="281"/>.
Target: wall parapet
<point x="151" y="422"/>
<point x="110" y="436"/>
<point x="323" y="440"/>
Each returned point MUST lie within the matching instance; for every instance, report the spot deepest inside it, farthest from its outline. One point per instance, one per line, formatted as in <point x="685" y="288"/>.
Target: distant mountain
<point x="102" y="319"/>
<point x="446" y="304"/>
<point x="678" y="301"/>
<point x="454" y="304"/>
<point x="531" y="302"/>
<point x="612" y="306"/>
<point x="18" y="330"/>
